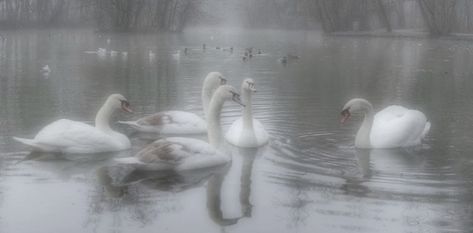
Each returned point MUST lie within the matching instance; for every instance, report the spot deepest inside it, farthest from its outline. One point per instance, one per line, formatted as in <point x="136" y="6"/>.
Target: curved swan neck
<point x="207" y="93"/>
<point x="363" y="136"/>
<point x="213" y="121"/>
<point x="247" y="113"/>
<point x="102" y="119"/>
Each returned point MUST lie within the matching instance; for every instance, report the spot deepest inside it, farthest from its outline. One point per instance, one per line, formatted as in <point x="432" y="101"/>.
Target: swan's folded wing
<point x="397" y="126"/>
<point x="73" y="136"/>
<point x="183" y="153"/>
<point x="170" y="117"/>
<point x="178" y="122"/>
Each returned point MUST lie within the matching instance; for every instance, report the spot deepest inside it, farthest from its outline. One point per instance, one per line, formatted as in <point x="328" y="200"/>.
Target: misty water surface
<point x="310" y="178"/>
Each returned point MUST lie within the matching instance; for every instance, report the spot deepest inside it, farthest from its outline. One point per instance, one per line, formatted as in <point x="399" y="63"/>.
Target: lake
<point x="309" y="178"/>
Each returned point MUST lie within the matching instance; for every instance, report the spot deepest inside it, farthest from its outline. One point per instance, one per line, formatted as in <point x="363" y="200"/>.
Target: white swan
<point x="66" y="136"/>
<point x="180" y="122"/>
<point x="246" y="131"/>
<point x="394" y="126"/>
<point x="180" y="154"/>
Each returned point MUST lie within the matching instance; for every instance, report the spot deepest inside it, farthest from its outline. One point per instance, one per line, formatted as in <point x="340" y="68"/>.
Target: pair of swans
<point x="244" y="132"/>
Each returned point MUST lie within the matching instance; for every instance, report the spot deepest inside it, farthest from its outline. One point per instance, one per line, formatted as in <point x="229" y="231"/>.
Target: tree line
<point x="106" y="15"/>
<point x="439" y="17"/>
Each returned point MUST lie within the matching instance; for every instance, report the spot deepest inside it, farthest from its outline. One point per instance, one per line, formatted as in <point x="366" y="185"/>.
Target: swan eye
<point x="222" y="80"/>
<point x="124" y="103"/>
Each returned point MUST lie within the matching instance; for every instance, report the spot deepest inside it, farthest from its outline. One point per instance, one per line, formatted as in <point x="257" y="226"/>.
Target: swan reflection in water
<point x="243" y="160"/>
<point x="118" y="179"/>
<point x="380" y="163"/>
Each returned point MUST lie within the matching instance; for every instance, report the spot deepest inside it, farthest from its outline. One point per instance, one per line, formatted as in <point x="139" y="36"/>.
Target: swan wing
<point x="396" y="126"/>
<point x="181" y="154"/>
<point x="177" y="122"/>
<point x="74" y="137"/>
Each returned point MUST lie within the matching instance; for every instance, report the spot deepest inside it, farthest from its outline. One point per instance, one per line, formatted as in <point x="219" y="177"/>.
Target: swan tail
<point x="426" y="129"/>
<point x="32" y="143"/>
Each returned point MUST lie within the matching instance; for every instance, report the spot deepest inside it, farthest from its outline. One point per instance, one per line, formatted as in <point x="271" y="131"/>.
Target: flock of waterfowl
<point x="394" y="126"/>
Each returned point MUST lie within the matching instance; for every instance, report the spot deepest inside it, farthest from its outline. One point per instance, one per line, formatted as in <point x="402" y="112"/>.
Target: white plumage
<point x="246" y="131"/>
<point x="170" y="122"/>
<point x="180" y="122"/>
<point x="66" y="136"/>
<point x="180" y="154"/>
<point x="394" y="126"/>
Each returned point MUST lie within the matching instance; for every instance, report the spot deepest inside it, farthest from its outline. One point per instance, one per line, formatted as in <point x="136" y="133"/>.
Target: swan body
<point x="395" y="126"/>
<point x="180" y="122"/>
<point x="179" y="153"/>
<point x="170" y="122"/>
<point x="246" y="131"/>
<point x="67" y="136"/>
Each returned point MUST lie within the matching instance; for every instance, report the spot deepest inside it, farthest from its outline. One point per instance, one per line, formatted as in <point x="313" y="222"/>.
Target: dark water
<point x="310" y="178"/>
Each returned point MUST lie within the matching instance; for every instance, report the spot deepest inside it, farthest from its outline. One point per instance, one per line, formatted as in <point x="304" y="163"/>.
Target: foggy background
<point x="438" y="17"/>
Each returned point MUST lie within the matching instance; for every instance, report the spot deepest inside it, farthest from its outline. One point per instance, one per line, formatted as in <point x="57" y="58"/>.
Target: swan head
<point x="248" y="85"/>
<point x="119" y="101"/>
<point x="227" y="92"/>
<point x="214" y="80"/>
<point x="356" y="105"/>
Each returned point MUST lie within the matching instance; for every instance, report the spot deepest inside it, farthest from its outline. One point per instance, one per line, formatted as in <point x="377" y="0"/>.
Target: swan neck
<point x="207" y="93"/>
<point x="363" y="135"/>
<point x="247" y="113"/>
<point x="102" y="119"/>
<point x="214" y="130"/>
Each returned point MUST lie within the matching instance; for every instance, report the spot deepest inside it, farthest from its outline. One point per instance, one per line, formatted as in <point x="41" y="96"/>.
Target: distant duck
<point x="124" y="54"/>
<point x="259" y="51"/>
<point x="176" y="55"/>
<point x="394" y="126"/>
<point x="66" y="136"/>
<point x="45" y="70"/>
<point x="113" y="53"/>
<point x="151" y="55"/>
<point x="180" y="122"/>
<point x="101" y="52"/>
<point x="247" y="131"/>
<point x="292" y="57"/>
<point x="283" y="60"/>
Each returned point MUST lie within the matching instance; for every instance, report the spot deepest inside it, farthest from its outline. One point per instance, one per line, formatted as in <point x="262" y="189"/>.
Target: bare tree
<point x="439" y="15"/>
